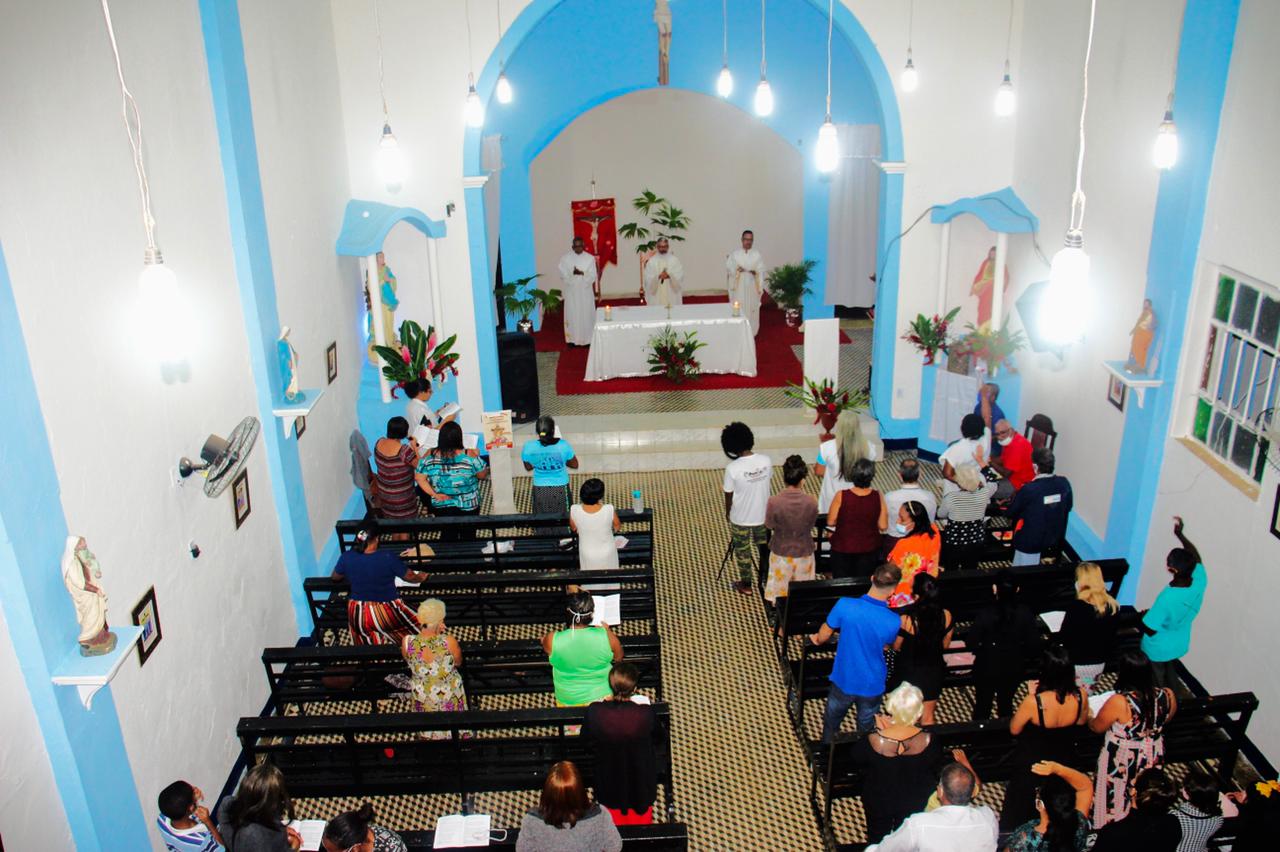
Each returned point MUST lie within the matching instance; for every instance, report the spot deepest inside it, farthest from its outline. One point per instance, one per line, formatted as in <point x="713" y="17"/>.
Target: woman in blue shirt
<point x="451" y="476"/>
<point x="375" y="613"/>
<point x="550" y="458"/>
<point x="1166" y="627"/>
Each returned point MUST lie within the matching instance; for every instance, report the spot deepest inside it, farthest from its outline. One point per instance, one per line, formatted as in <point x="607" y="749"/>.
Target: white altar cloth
<point x="620" y="346"/>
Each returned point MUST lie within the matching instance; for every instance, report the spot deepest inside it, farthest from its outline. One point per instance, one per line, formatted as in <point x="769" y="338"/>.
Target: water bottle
<point x="637" y="502"/>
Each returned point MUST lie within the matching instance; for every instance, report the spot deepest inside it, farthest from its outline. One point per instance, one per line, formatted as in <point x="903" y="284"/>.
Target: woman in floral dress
<point x="917" y="550"/>
<point x="434" y="683"/>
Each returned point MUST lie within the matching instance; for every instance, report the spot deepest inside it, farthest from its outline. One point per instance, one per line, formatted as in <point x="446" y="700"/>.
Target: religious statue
<point x="288" y="366"/>
<point x="1144" y="331"/>
<point x="982" y="287"/>
<point x="662" y="17"/>
<point x="387" y="292"/>
<point x="79" y="570"/>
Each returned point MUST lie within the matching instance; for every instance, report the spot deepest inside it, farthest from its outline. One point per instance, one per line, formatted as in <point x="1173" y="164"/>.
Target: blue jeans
<point x="838" y="704"/>
<point x="1020" y="558"/>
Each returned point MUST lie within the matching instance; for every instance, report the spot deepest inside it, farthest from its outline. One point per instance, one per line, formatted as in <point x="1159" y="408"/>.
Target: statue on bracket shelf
<point x="662" y="18"/>
<point x="387" y="291"/>
<point x="1144" y="332"/>
<point x="79" y="570"/>
<point x="288" y="366"/>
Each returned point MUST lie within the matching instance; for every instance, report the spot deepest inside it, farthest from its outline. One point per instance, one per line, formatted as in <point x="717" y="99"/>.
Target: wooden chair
<point x="1040" y="432"/>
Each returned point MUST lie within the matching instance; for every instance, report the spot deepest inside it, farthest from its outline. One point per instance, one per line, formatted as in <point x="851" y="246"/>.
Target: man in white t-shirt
<point x="956" y="825"/>
<point x="911" y="490"/>
<point x="974" y="446"/>
<point x="746" y="495"/>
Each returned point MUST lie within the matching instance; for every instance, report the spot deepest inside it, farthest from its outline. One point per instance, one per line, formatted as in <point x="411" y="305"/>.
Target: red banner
<point x="594" y="220"/>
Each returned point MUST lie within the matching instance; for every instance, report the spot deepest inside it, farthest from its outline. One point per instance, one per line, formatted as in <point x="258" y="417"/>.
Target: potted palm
<point x="522" y="300"/>
<point x="788" y="285"/>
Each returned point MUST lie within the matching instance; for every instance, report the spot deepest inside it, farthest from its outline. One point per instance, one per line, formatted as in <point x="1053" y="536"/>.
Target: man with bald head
<point x="664" y="277"/>
<point x="1014" y="461"/>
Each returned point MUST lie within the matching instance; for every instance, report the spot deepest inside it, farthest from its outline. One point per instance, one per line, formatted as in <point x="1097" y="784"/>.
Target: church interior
<point x="390" y="323"/>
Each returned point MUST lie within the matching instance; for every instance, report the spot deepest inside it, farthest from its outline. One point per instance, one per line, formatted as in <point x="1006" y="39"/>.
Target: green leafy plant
<point x="664" y="221"/>
<point x="825" y="398"/>
<point x="789" y="284"/>
<point x="997" y="348"/>
<point x="522" y="300"/>
<point x="929" y="334"/>
<point x="673" y="356"/>
<point x="419" y="356"/>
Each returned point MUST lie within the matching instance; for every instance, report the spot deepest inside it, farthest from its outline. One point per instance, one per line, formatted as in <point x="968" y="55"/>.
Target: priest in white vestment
<point x="664" y="278"/>
<point x="578" y="279"/>
<point x="746" y="279"/>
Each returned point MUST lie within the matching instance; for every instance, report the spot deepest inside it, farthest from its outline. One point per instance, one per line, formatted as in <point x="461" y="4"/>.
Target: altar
<point x="620" y="345"/>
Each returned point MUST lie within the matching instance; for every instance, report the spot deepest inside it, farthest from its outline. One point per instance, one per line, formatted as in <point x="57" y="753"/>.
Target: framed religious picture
<point x="1275" y="515"/>
<point x="1116" y="392"/>
<point x="299" y="426"/>
<point x="331" y="361"/>
<point x="240" y="498"/>
<point x="146" y="616"/>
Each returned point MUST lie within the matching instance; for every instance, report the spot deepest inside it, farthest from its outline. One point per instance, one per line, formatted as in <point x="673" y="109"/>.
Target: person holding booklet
<point x="253" y="820"/>
<point x="450" y="477"/>
<point x="419" y="413"/>
<point x="581" y="655"/>
<point x="354" y="831"/>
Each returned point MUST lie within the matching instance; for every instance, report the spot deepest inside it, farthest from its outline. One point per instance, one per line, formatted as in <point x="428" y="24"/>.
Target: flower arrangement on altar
<point x="995" y="347"/>
<point x="673" y="356"/>
<point x="929" y="334"/>
<point x="419" y="357"/>
<point x="826" y="400"/>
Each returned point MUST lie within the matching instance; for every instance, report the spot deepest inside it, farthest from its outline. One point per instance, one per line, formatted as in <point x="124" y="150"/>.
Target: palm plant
<point x="522" y="300"/>
<point x="665" y="221"/>
<point x="788" y="285"/>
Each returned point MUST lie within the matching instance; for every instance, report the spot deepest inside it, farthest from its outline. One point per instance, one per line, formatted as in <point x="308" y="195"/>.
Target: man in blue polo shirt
<point x="866" y="625"/>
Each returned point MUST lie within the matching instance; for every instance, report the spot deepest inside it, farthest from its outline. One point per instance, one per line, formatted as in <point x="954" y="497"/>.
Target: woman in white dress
<point x="596" y="523"/>
<point x="837" y="457"/>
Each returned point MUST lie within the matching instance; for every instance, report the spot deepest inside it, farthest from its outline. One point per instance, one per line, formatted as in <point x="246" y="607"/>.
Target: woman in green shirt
<point x="581" y="655"/>
<point x="1166" y="627"/>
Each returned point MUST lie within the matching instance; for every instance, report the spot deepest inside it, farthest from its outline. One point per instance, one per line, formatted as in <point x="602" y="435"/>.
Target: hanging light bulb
<point x="724" y="82"/>
<point x="160" y="308"/>
<point x="1006" y="100"/>
<point x="827" y="151"/>
<point x="391" y="164"/>
<point x="910" y="77"/>
<point x="503" y="90"/>
<point x="473" y="111"/>
<point x="1066" y="308"/>
<point x="763" y="102"/>
<point x="1165" y="152"/>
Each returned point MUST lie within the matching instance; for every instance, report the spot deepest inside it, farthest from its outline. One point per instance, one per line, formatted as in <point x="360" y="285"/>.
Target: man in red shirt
<point x="1014" y="461"/>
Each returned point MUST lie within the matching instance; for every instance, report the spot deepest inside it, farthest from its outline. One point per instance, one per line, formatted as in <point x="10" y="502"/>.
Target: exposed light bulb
<point x="1066" y="306"/>
<point x="724" y="83"/>
<point x="473" y="112"/>
<point x="503" y="91"/>
<point x="392" y="168"/>
<point x="763" y="103"/>
<point x="1006" y="100"/>
<point x="827" y="151"/>
<point x="160" y="311"/>
<point x="1165" y="152"/>
<point x="910" y="79"/>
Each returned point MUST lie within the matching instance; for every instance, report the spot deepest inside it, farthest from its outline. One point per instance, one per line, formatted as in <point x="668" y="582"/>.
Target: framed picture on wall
<point x="240" y="498"/>
<point x="299" y="426"/>
<point x="1275" y="515"/>
<point x="146" y="616"/>
<point x="331" y="361"/>
<point x="1116" y="392"/>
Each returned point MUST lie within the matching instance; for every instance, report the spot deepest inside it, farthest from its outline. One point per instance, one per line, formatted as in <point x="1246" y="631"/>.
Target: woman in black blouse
<point x="1004" y="637"/>
<point x="1089" y="627"/>
<point x="621" y="728"/>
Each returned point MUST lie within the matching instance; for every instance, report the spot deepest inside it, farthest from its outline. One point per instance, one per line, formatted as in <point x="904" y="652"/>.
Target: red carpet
<point x="776" y="364"/>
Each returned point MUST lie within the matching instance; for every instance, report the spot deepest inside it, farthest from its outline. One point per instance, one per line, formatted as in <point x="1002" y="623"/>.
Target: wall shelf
<point x="289" y="412"/>
<point x="89" y="674"/>
<point x="1138" y="384"/>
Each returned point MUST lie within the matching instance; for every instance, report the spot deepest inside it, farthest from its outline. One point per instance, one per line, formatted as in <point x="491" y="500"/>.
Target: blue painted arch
<point x="614" y="52"/>
<point x="1001" y="211"/>
<point x="365" y="225"/>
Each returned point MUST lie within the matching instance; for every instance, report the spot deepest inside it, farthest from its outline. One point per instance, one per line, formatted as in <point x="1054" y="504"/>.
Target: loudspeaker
<point x="518" y="371"/>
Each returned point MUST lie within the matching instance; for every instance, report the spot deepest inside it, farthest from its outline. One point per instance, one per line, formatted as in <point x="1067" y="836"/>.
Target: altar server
<point x="746" y="279"/>
<point x="578" y="276"/>
<point x="664" y="277"/>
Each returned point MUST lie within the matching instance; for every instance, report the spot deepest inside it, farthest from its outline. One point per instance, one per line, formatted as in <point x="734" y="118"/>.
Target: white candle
<point x="737" y="308"/>
<point x="608" y="312"/>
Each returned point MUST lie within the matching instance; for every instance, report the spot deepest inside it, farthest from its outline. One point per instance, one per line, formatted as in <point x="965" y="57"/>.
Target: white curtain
<point x="853" y="217"/>
<point x="491" y="163"/>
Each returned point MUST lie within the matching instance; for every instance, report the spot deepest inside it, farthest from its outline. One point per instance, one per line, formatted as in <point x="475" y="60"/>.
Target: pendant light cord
<point x="724" y="19"/>
<point x="501" y="62"/>
<point x="471" y="60"/>
<point x="762" y="44"/>
<point x="831" y="5"/>
<point x="1008" y="39"/>
<point x="1077" y="197"/>
<point x="382" y="89"/>
<point x="911" y="26"/>
<point x="128" y="110"/>
<point x="1177" y="55"/>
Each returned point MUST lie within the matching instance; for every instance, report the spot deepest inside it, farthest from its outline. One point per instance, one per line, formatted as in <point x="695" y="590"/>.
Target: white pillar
<point x="997" y="286"/>
<point x="500" y="482"/>
<point x="433" y="284"/>
<point x="374" y="282"/>
<point x="822" y="350"/>
<point x="944" y="256"/>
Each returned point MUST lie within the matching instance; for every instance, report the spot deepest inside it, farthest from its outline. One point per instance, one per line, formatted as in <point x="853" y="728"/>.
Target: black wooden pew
<point x="489" y="600"/>
<point x="537" y="539"/>
<point x="384" y="755"/>
<point x="316" y="673"/>
<point x="659" y="837"/>
<point x="1203" y="729"/>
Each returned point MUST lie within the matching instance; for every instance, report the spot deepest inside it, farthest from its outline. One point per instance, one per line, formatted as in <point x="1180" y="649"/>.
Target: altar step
<point x="684" y="440"/>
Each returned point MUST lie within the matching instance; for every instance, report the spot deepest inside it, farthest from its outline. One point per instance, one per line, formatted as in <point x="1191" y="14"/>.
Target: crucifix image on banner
<point x="595" y="221"/>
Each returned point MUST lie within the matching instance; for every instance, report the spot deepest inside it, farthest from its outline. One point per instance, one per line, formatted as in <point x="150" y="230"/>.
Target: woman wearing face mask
<point x="581" y="655"/>
<point x="965" y="512"/>
<point x="916" y="552"/>
<point x="354" y="831"/>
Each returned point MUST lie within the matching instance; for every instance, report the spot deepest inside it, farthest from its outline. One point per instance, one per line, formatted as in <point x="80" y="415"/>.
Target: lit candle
<point x="608" y="312"/>
<point x="737" y="308"/>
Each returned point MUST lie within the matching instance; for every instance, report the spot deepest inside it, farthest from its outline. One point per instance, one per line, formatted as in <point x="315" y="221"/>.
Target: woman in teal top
<point x="1166" y="627"/>
<point x="550" y="458"/>
<point x="581" y="655"/>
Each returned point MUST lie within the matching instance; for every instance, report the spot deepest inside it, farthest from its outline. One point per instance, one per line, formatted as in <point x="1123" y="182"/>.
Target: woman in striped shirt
<point x="965" y="511"/>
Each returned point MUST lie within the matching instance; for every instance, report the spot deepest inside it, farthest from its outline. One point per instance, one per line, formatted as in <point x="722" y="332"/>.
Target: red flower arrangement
<point x="825" y="399"/>
<point x="673" y="356"/>
<point x="997" y="348"/>
<point x="419" y="357"/>
<point x="929" y="334"/>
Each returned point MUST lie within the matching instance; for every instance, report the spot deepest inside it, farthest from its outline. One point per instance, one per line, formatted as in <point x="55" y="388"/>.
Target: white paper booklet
<point x="608" y="610"/>
<point x="1053" y="620"/>
<point x="312" y="831"/>
<point x="449" y="408"/>
<point x="428" y="438"/>
<point x="455" y="830"/>
<point x="1096" y="702"/>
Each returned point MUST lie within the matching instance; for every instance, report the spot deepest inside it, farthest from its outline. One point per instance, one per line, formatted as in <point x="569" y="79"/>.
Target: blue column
<point x="233" y="114"/>
<point x="482" y="299"/>
<point x="885" y="336"/>
<point x="86" y="748"/>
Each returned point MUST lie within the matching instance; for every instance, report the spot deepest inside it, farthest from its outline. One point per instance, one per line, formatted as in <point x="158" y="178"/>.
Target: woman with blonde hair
<point x="965" y="512"/>
<point x="837" y="457"/>
<point x="435" y="683"/>
<point x="1089" y="626"/>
